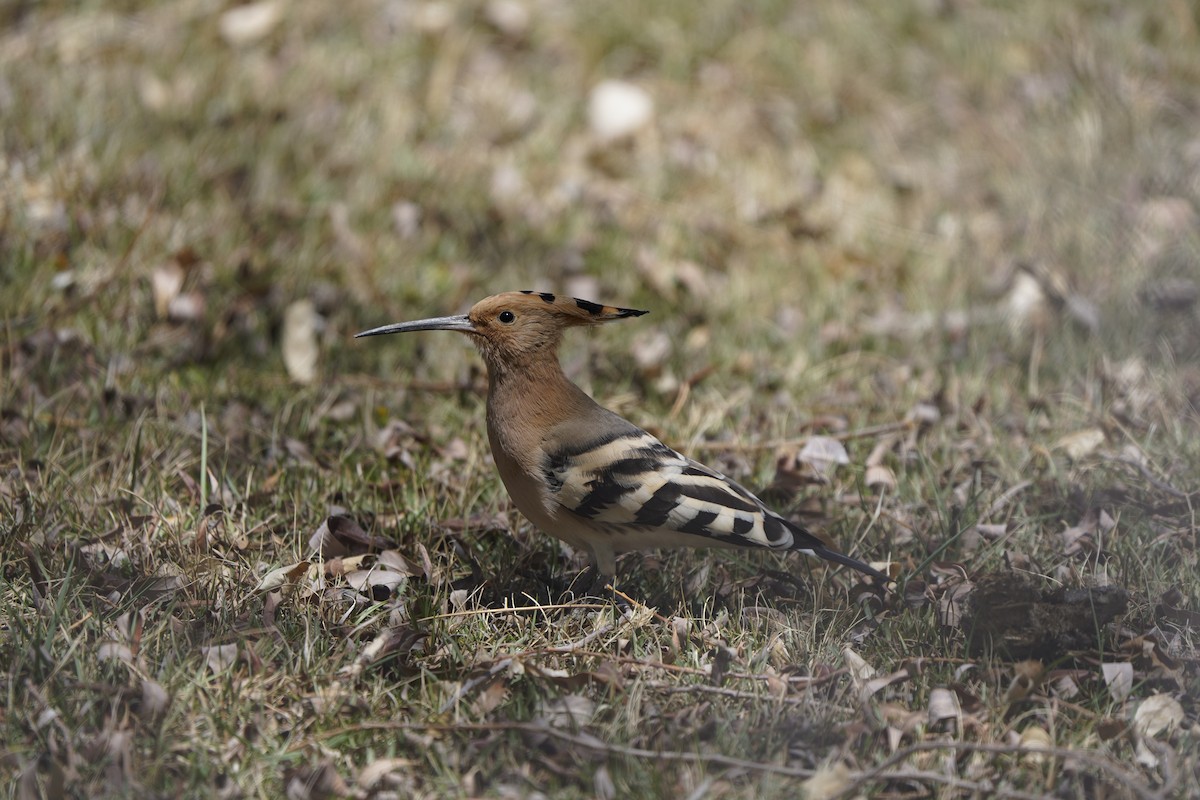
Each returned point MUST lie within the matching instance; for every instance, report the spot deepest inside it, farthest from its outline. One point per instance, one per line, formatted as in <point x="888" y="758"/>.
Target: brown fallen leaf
<point x="339" y="536"/>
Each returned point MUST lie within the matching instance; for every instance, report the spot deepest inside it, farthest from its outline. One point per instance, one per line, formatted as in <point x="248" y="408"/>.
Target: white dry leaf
<point x="1079" y="444"/>
<point x="245" y="25"/>
<point x="406" y="219"/>
<point x="1065" y="688"/>
<point x="569" y="711"/>
<point x="114" y="651"/>
<point x="1158" y="713"/>
<point x="166" y="282"/>
<point x="943" y="705"/>
<point x="433" y="18"/>
<point x="300" y="341"/>
<point x="873" y="686"/>
<point x="393" y="561"/>
<point x="281" y="576"/>
<point x="366" y="579"/>
<point x="880" y="476"/>
<point x="860" y="671"/>
<point x="827" y="782"/>
<point x="602" y="784"/>
<point x="155" y="94"/>
<point x="219" y="658"/>
<point x="154" y="700"/>
<point x="383" y="773"/>
<point x="617" y="110"/>
<point x="824" y="454"/>
<point x="953" y="603"/>
<point x="187" y="307"/>
<point x="1034" y="739"/>
<point x="1026" y="302"/>
<point x="650" y="351"/>
<point x="1118" y="676"/>
<point x="510" y="17"/>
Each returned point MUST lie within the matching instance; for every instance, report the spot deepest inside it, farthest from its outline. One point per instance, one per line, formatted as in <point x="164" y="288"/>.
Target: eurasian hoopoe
<point x="580" y="472"/>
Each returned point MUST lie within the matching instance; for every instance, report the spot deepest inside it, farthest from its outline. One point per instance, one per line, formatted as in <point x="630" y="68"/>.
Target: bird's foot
<point x="594" y="584"/>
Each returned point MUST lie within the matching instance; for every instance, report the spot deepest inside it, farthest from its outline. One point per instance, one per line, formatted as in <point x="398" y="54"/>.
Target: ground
<point x="923" y="272"/>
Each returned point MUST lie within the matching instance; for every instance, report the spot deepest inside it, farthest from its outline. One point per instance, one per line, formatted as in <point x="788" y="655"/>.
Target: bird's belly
<point x="630" y="537"/>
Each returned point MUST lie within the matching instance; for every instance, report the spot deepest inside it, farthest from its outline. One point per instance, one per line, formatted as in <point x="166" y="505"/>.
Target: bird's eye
<point x="507" y="317"/>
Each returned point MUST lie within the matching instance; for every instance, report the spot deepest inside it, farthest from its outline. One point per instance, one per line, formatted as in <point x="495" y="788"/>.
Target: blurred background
<point x="814" y="177"/>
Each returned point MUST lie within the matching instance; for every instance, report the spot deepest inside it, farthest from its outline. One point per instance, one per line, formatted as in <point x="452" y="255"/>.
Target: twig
<point x="577" y="645"/>
<point x="774" y="444"/>
<point x="478" y="612"/>
<point x="1158" y="483"/>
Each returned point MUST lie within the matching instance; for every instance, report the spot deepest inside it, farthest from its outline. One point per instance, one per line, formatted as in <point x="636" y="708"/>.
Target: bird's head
<point x="515" y="327"/>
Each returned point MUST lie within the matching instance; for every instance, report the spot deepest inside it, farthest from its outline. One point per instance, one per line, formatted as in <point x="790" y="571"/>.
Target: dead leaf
<point x="219" y="658"/>
<point x="1158" y="713"/>
<point x="568" y="711"/>
<point x="280" y="576"/>
<point x="490" y="698"/>
<point x="1026" y="675"/>
<point x="824" y="453"/>
<point x="1080" y="443"/>
<point x="383" y="773"/>
<point x="393" y="561"/>
<point x="943" y="705"/>
<point x="299" y="343"/>
<point x="368" y="581"/>
<point x="166" y="281"/>
<point x="1035" y="738"/>
<point x="880" y="476"/>
<point x="114" y="651"/>
<point x="154" y="700"/>
<point x="339" y="536"/>
<point x="321" y="782"/>
<point x="873" y="686"/>
<point x="827" y="782"/>
<point x="861" y="672"/>
<point x="1119" y="679"/>
<point x="246" y="24"/>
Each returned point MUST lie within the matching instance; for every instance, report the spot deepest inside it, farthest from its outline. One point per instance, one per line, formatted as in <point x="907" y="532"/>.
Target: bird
<point x="586" y="475"/>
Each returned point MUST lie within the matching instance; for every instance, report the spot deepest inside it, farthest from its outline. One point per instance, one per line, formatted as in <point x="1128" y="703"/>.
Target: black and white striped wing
<point x="632" y="480"/>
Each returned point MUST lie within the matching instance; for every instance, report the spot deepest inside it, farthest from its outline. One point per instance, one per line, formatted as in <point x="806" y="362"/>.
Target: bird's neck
<point x="525" y="401"/>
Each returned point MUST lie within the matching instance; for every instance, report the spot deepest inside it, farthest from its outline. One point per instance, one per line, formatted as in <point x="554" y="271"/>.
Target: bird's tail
<point x="805" y="542"/>
<point x="847" y="561"/>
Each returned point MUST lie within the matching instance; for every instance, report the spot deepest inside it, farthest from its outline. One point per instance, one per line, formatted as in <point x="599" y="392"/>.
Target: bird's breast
<point x="517" y="464"/>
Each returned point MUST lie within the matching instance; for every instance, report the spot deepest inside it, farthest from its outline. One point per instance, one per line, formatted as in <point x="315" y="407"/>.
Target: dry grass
<point x="960" y="237"/>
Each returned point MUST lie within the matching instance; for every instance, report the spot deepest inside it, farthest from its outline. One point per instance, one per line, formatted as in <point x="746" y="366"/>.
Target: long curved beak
<point x="460" y="323"/>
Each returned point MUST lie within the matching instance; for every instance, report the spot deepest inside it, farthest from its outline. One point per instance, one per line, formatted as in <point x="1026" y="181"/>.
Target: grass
<point x="960" y="237"/>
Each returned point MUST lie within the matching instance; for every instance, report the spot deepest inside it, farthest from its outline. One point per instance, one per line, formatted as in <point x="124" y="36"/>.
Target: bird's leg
<point x="599" y="585"/>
